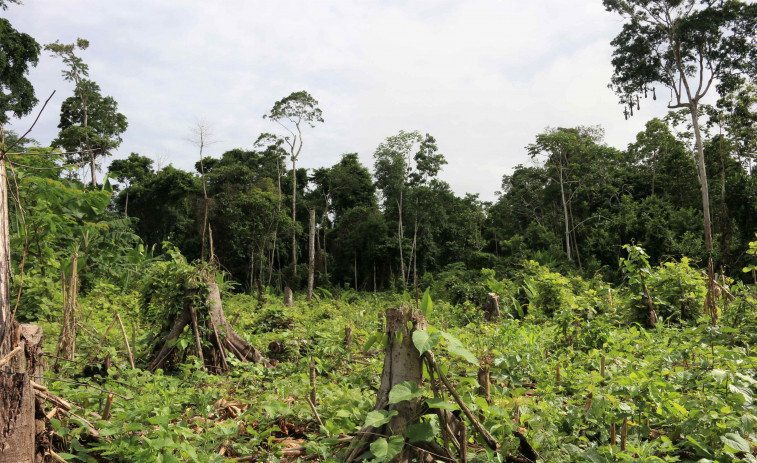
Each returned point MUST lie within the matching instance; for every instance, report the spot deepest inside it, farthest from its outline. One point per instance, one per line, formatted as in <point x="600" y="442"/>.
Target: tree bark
<point x="231" y="339"/>
<point x="294" y="219"/>
<point x="311" y="266"/>
<point x="565" y="214"/>
<point x="6" y="317"/>
<point x="222" y="335"/>
<point x="288" y="299"/>
<point x="401" y="363"/>
<point x="67" y="339"/>
<point x="400" y="236"/>
<point x="19" y="436"/>
<point x="491" y="307"/>
<point x="702" y="170"/>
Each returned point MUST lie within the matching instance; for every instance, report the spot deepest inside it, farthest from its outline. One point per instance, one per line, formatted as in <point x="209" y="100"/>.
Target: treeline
<point x="684" y="187"/>
<point x="572" y="208"/>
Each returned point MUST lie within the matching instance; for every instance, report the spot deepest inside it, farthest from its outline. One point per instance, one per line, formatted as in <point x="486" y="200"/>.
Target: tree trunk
<point x="702" y="171"/>
<point x="6" y="317"/>
<point x="231" y="339"/>
<point x="169" y="344"/>
<point x="311" y="263"/>
<point x="288" y="299"/>
<point x="491" y="307"/>
<point x="19" y="436"/>
<point x="401" y="363"/>
<point x="565" y="214"/>
<point x="400" y="237"/>
<point x="93" y="168"/>
<point x="294" y="219"/>
<point x="725" y="229"/>
<point x="67" y="339"/>
<point x="221" y="335"/>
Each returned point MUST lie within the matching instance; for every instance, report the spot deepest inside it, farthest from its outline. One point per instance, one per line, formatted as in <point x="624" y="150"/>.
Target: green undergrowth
<point x="684" y="388"/>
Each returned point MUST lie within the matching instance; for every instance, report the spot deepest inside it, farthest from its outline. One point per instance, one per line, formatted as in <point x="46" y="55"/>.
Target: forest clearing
<point x="600" y="307"/>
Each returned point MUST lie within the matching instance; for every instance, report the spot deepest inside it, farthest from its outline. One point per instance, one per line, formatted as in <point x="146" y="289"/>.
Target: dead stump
<point x="402" y="363"/>
<point x="491" y="307"/>
<point x="23" y="437"/>
<point x="222" y="337"/>
<point x="288" y="298"/>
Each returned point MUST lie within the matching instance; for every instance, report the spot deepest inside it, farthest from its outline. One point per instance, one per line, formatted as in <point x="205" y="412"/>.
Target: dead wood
<point x="169" y="345"/>
<point x="401" y="363"/>
<point x="126" y="341"/>
<point x="491" y="307"/>
<point x="311" y="256"/>
<point x="229" y="337"/>
<point x="22" y="420"/>
<point x="288" y="298"/>
<point x="221" y="337"/>
<point x="67" y="338"/>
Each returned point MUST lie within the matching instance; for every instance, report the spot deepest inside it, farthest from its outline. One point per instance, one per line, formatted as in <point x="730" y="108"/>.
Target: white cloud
<point x="484" y="77"/>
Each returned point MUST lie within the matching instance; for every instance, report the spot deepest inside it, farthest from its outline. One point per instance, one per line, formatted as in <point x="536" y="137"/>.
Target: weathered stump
<point x="491" y="307"/>
<point x="23" y="433"/>
<point x="401" y="363"/>
<point x="288" y="298"/>
<point x="221" y="335"/>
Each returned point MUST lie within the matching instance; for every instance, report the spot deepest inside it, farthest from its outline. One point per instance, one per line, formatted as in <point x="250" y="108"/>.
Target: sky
<point x="483" y="77"/>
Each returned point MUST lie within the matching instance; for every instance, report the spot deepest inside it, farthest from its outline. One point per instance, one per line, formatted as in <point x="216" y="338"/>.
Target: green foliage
<point x="677" y="290"/>
<point x="165" y="287"/>
<point x="18" y="52"/>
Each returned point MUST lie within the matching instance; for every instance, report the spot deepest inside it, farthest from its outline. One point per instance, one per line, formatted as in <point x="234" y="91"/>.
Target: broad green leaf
<point x="679" y="408"/>
<point x="384" y="450"/>
<point x="438" y="402"/>
<point x="421" y="432"/>
<point x="455" y="347"/>
<point x="405" y="390"/>
<point x="736" y="443"/>
<point x="378" y="418"/>
<point x="425" y="341"/>
<point x="370" y="342"/>
<point x="698" y="444"/>
<point x="427" y="304"/>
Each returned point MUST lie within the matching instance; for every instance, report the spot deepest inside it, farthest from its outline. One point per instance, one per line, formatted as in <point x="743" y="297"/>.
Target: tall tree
<point x="684" y="45"/>
<point x="291" y="113"/>
<point x="392" y="168"/>
<point x="18" y="52"/>
<point x="90" y="124"/>
<point x="565" y="149"/>
<point x="428" y="163"/>
<point x="134" y="169"/>
<point x="202" y="136"/>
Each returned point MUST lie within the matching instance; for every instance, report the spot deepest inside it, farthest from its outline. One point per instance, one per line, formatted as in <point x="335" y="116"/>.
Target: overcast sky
<point x="483" y="77"/>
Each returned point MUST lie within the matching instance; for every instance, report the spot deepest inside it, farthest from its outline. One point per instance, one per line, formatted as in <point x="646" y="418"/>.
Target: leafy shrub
<point x="456" y="284"/>
<point x="677" y="289"/>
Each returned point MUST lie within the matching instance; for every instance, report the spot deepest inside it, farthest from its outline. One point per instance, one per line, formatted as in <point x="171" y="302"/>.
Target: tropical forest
<point x="601" y="307"/>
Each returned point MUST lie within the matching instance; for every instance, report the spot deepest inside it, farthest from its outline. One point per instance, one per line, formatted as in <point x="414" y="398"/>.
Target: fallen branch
<point x="83" y="384"/>
<point x="488" y="438"/>
<point x="315" y="412"/>
<point x="126" y="341"/>
<point x="11" y="354"/>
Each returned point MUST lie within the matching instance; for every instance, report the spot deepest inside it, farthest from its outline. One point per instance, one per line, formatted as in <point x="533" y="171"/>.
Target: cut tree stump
<point x="491" y="307"/>
<point x="288" y="298"/>
<point x="23" y="426"/>
<point x="402" y="363"/>
<point x="221" y="336"/>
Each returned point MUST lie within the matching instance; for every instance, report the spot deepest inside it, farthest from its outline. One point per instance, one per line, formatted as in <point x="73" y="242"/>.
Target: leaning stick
<point x="488" y="438"/>
<point x="126" y="341"/>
